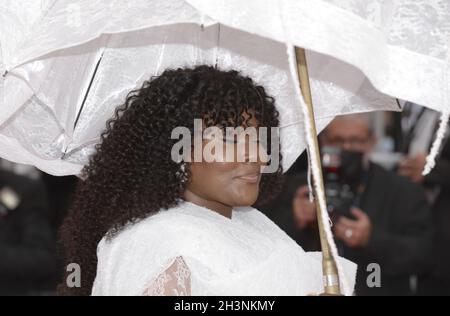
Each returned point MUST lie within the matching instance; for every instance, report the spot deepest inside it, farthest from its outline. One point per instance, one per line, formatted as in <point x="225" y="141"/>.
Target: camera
<point x="342" y="171"/>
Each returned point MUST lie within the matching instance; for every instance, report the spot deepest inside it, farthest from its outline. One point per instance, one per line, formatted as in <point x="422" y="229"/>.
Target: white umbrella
<point x="402" y="46"/>
<point x="70" y="65"/>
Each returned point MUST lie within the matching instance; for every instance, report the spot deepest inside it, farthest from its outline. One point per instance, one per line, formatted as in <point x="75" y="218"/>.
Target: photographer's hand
<point x="413" y="166"/>
<point x="304" y="211"/>
<point x="354" y="233"/>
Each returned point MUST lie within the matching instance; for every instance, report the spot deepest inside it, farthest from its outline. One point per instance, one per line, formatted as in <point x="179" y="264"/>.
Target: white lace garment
<point x="191" y="250"/>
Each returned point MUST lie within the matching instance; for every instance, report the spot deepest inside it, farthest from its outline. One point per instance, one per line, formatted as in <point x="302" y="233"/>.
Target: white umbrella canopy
<point x="402" y="46"/>
<point x="69" y="65"/>
<point x="33" y="28"/>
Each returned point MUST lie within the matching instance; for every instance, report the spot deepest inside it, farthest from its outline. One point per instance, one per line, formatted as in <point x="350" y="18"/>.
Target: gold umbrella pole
<point x="330" y="273"/>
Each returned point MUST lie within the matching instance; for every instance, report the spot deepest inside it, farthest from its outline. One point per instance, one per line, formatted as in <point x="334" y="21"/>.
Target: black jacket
<point x="27" y="256"/>
<point x="439" y="178"/>
<point x="402" y="230"/>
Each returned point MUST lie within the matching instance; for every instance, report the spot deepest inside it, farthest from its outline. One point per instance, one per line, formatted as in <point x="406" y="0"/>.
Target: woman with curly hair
<point x="143" y="223"/>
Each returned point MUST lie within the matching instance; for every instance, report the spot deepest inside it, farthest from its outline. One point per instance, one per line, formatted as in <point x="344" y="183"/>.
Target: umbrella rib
<point x="87" y="91"/>
<point x="398" y="104"/>
<point x="217" y="47"/>
<point x="84" y="99"/>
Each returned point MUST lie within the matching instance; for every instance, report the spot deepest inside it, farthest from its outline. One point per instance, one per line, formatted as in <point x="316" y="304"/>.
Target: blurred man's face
<point x="349" y="134"/>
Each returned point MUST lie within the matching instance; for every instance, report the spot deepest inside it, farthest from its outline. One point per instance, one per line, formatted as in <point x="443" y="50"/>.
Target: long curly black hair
<point x="132" y="175"/>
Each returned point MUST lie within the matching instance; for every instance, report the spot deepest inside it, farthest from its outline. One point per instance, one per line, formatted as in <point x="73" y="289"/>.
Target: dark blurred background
<point x="32" y="207"/>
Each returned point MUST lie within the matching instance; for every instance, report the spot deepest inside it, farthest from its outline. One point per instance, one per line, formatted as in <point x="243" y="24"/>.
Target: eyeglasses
<point x="353" y="142"/>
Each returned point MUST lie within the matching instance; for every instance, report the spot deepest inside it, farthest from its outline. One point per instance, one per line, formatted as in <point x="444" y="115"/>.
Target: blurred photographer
<point x="379" y="217"/>
<point x="418" y="126"/>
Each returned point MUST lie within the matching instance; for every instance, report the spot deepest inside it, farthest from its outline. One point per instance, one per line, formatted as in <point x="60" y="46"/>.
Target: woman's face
<point x="233" y="181"/>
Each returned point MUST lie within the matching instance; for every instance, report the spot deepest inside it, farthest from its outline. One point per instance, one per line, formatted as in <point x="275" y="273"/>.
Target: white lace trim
<point x="174" y="281"/>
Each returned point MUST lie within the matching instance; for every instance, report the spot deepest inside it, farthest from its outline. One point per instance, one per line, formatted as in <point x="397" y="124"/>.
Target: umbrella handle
<point x="330" y="272"/>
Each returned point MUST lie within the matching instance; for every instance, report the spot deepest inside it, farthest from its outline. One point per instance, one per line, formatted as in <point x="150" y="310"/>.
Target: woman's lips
<point x="251" y="178"/>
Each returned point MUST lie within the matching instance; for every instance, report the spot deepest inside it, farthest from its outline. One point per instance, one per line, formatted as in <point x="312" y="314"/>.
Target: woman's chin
<point x="246" y="199"/>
